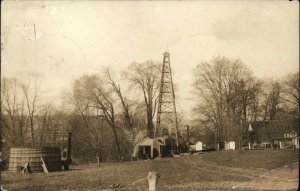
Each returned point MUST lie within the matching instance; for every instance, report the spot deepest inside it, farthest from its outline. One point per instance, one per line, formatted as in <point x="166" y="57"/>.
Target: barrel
<point x="32" y="156"/>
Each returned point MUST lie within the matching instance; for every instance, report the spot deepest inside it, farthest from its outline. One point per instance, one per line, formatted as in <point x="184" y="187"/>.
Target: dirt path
<point x="283" y="178"/>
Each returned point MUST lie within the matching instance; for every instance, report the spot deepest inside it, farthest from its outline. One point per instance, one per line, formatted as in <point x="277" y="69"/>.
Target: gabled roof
<point x="257" y="125"/>
<point x="148" y="142"/>
<point x="267" y="130"/>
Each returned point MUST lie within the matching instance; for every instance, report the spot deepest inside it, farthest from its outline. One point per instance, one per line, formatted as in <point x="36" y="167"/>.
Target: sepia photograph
<point x="149" y="95"/>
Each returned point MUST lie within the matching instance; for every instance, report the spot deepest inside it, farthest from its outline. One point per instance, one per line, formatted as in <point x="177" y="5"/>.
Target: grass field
<point x="208" y="171"/>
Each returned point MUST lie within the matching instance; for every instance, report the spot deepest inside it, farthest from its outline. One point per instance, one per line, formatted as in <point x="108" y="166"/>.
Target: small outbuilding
<point x="199" y="146"/>
<point x="226" y="145"/>
<point x="196" y="146"/>
<point x="229" y="145"/>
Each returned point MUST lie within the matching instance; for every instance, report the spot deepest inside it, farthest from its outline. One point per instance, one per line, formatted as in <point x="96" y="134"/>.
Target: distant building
<point x="229" y="145"/>
<point x="196" y="145"/>
<point x="226" y="145"/>
<point x="273" y="134"/>
<point x="147" y="148"/>
<point x="199" y="146"/>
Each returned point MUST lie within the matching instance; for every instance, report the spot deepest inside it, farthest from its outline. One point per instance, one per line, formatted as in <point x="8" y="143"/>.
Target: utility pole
<point x="166" y="123"/>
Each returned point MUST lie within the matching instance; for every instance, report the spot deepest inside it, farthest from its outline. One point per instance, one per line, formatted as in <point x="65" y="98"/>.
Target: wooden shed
<point x="147" y="148"/>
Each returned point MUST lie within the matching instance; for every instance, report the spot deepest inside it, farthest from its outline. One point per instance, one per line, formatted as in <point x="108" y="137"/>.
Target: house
<point x="273" y="134"/>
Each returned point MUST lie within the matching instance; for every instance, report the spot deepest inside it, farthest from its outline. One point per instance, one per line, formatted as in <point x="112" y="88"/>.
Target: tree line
<point x="109" y="116"/>
<point x="229" y="97"/>
<point x="106" y="118"/>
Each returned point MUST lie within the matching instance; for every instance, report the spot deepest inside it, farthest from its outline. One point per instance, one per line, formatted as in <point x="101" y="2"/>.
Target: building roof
<point x="269" y="129"/>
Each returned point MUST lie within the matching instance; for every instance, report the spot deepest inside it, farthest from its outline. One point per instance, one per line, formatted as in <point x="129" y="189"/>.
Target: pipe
<point x="69" y="160"/>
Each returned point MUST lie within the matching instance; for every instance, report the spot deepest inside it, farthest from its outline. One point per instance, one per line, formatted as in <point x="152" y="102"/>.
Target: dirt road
<point x="283" y="178"/>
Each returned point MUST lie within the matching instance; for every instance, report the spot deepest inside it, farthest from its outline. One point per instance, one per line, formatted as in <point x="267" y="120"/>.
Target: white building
<point x="199" y="146"/>
<point x="229" y="145"/>
<point x="146" y="148"/>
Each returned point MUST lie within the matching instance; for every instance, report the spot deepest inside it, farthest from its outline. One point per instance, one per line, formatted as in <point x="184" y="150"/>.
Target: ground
<point x="238" y="170"/>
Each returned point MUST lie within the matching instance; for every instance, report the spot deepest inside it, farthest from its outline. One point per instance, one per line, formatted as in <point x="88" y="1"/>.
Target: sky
<point x="62" y="40"/>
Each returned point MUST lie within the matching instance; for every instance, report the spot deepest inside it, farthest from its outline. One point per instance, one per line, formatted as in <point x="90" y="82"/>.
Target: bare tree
<point x="13" y="112"/>
<point x="94" y="92"/>
<point x="291" y="90"/>
<point x="91" y="134"/>
<point x="226" y="91"/>
<point x="24" y="116"/>
<point x="272" y="98"/>
<point x="31" y="88"/>
<point x="145" y="77"/>
<point x="80" y="101"/>
<point x="49" y="127"/>
<point x="124" y="102"/>
<point x="43" y="126"/>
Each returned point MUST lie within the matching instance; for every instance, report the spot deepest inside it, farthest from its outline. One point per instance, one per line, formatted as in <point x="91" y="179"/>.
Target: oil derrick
<point x="166" y="123"/>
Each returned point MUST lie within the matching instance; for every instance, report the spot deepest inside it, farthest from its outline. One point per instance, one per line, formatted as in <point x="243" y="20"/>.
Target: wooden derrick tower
<point x="166" y="123"/>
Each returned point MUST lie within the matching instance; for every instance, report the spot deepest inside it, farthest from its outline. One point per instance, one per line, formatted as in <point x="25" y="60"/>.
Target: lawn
<point x="213" y="170"/>
<point x="253" y="159"/>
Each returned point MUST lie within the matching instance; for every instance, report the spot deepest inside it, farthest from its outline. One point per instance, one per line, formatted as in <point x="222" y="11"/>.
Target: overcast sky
<point x="77" y="37"/>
